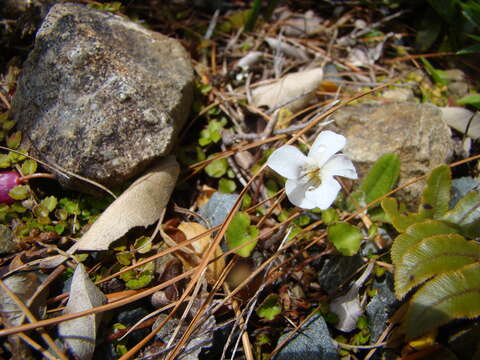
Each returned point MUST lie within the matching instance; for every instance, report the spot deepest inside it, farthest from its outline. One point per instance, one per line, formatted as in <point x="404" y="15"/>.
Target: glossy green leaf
<point x="240" y="232"/>
<point x="432" y="256"/>
<point x="381" y="178"/>
<point x="345" y="237"/>
<point x="270" y="307"/>
<point x="466" y="214"/>
<point x="124" y="258"/>
<point x="436" y="195"/>
<point x="417" y="233"/>
<point x="448" y="296"/>
<point x="143" y="280"/>
<point x="400" y="222"/>
<point x="14" y="140"/>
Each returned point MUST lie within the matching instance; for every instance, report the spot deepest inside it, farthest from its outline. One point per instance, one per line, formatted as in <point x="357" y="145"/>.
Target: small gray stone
<point x="378" y="309"/>
<point x="312" y="341"/>
<point x="217" y="208"/>
<point x="100" y="95"/>
<point x="7" y="243"/>
<point x="416" y="132"/>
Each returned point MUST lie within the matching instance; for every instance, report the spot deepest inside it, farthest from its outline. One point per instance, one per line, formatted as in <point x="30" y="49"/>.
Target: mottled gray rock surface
<point x="100" y="95"/>
<point x="416" y="132"/>
<point x="312" y="341"/>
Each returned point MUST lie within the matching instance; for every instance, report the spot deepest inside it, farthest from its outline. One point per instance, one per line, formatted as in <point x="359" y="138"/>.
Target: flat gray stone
<point x="100" y="95"/>
<point x="416" y="132"/>
<point x="312" y="341"/>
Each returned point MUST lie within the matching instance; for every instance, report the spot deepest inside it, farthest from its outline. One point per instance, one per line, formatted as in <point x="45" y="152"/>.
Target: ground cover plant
<point x="266" y="229"/>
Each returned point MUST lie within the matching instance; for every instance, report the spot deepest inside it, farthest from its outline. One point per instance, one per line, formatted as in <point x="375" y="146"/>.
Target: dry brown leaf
<point x="80" y="334"/>
<point x="140" y="205"/>
<point x="292" y="92"/>
<point x="193" y="229"/>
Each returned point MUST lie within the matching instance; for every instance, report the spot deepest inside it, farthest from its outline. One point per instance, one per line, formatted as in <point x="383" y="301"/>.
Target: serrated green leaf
<point x="270" y="307"/>
<point x="416" y="233"/>
<point x="448" y="296"/>
<point x="19" y="192"/>
<point x="436" y="195"/>
<point x="381" y="178"/>
<point x="29" y="167"/>
<point x="432" y="256"/>
<point x="240" y="232"/>
<point x="217" y="168"/>
<point x="466" y="214"/>
<point x="345" y="237"/>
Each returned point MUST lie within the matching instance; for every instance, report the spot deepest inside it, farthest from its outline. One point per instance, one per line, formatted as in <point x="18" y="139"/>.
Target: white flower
<point x="310" y="180"/>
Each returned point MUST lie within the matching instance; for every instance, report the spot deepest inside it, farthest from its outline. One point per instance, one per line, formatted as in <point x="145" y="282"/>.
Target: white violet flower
<point x="310" y="180"/>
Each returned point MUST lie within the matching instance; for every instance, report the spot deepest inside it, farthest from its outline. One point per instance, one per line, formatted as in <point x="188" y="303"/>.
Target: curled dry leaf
<point x="191" y="230"/>
<point x="293" y="91"/>
<point x="140" y="205"/>
<point x="80" y="334"/>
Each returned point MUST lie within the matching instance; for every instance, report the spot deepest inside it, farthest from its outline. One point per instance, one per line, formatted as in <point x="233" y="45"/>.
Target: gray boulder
<point x="100" y="95"/>
<point x="415" y="132"/>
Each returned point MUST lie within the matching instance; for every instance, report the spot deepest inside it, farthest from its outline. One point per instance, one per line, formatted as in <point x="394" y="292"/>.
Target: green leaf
<point x="50" y="203"/>
<point x="217" y="168"/>
<point x="40" y="211"/>
<point x="469" y="50"/>
<point x="4" y="161"/>
<point x="29" y="167"/>
<point x="432" y="256"/>
<point x="329" y="216"/>
<point x="143" y="244"/>
<point x="226" y="186"/>
<point x="436" y="195"/>
<point x="141" y="282"/>
<point x="270" y="307"/>
<point x="14" y="140"/>
<point x="240" y="232"/>
<point x="19" y="192"/>
<point x="381" y="178"/>
<point x="400" y="222"/>
<point x="472" y="99"/>
<point x="416" y="233"/>
<point x="437" y="75"/>
<point x="345" y="237"/>
<point x="448" y="296"/>
<point x="124" y="258"/>
<point x="466" y="214"/>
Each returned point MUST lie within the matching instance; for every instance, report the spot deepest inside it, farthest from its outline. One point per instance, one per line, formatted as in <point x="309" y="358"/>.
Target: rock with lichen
<point x="100" y="95"/>
<point x="417" y="133"/>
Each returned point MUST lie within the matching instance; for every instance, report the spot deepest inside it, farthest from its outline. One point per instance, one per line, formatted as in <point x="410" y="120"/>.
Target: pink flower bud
<point x="8" y="180"/>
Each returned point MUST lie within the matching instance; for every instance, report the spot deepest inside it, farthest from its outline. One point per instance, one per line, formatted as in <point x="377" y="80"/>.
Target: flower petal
<point x="325" y="145"/>
<point x="324" y="195"/>
<point x="288" y="161"/>
<point x="339" y="165"/>
<point x="296" y="194"/>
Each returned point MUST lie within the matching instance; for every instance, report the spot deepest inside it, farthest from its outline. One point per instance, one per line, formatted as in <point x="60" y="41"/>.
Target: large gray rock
<point x="416" y="132"/>
<point x="100" y="95"/>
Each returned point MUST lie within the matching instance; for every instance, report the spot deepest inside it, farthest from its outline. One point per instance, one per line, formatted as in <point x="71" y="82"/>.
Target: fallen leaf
<point x="191" y="230"/>
<point x="458" y="119"/>
<point x="80" y="334"/>
<point x="292" y="92"/>
<point x="289" y="50"/>
<point x="140" y="205"/>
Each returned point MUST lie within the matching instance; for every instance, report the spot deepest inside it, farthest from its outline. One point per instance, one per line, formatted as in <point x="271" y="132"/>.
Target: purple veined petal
<point x="339" y="165"/>
<point x="296" y="194"/>
<point x="324" y="195"/>
<point x="325" y="146"/>
<point x="288" y="161"/>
